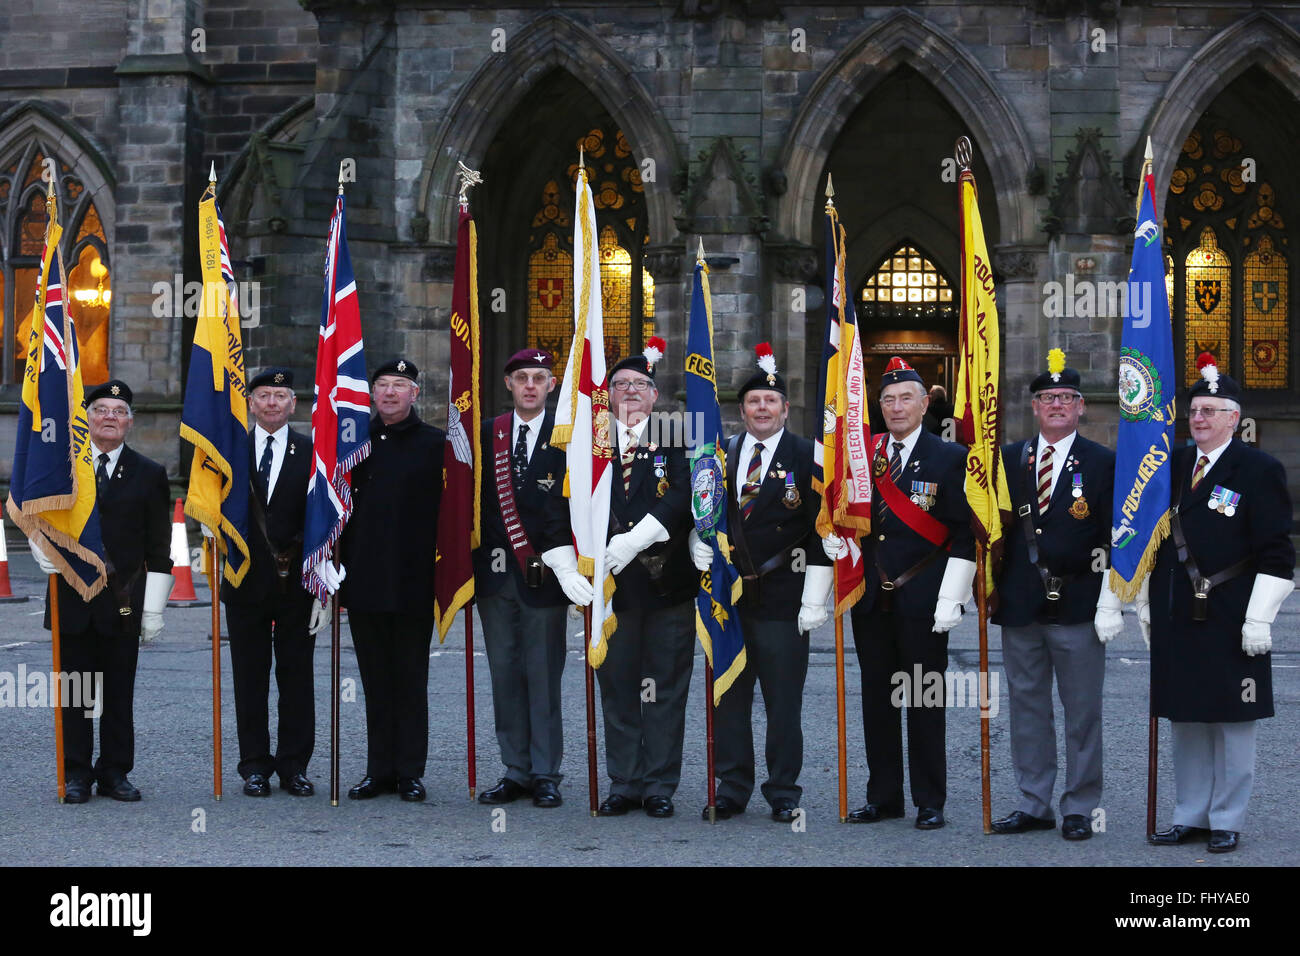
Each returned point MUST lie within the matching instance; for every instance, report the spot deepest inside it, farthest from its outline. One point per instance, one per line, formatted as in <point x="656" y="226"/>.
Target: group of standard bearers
<point x="1206" y="610"/>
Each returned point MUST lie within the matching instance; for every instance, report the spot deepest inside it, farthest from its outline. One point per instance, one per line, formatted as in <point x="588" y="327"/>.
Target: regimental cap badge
<point x="401" y="365"/>
<point x="279" y="378"/>
<point x="654" y="351"/>
<point x="766" y="361"/>
<point x="116" y="390"/>
<point x="1055" y="364"/>
<point x="899" y="371"/>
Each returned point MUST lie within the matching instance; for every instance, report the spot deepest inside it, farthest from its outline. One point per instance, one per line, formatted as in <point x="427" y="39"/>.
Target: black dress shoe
<point x="1223" y="841"/>
<point x="507" y="791"/>
<point x="783" y="811"/>
<point x="1019" y="822"/>
<point x="370" y="787"/>
<point x="660" y="807"/>
<point x="298" y="785"/>
<point x="76" y="791"/>
<point x="1177" y="834"/>
<point x="929" y="818"/>
<point x="1075" y="827"/>
<point x="615" y="805"/>
<point x="410" y="789"/>
<point x="546" y="794"/>
<point x="120" y="790"/>
<point x="725" y="808"/>
<point x="256" y="785"/>
<point x="872" y="813"/>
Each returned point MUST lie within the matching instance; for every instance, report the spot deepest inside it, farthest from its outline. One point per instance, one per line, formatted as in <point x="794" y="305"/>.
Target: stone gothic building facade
<point x="701" y="120"/>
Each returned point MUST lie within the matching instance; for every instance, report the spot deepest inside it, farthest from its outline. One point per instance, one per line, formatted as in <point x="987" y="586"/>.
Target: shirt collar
<point x="769" y="443"/>
<point x="113" y="456"/>
<point x="638" y="430"/>
<point x="909" y="442"/>
<point x="1214" y="454"/>
<point x="280" y="434"/>
<point x="1060" y="448"/>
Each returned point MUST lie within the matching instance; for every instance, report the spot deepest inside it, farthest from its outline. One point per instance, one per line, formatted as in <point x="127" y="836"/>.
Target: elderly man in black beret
<point x="387" y="581"/>
<point x="103" y="635"/>
<point x="1219" y="579"/>
<point x="270" y="608"/>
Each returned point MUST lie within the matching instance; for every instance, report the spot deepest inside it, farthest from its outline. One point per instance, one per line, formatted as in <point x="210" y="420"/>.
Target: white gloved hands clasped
<point x="1266" y="598"/>
<point x="958" y="575"/>
<point x="564" y="562"/>
<point x="622" y="549"/>
<point x="701" y="552"/>
<point x="320" y="616"/>
<point x="329" y="575"/>
<point x="41" y="560"/>
<point x="157" y="588"/>
<point x="1108" y="622"/>
<point x="817" y="583"/>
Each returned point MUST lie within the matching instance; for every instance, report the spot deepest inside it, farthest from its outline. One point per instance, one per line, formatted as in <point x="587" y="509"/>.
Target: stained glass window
<point x="90" y="292"/>
<point x="907" y="285"/>
<point x="31" y="227"/>
<point x="1207" y="305"/>
<point x="1265" y="325"/>
<point x="550" y="301"/>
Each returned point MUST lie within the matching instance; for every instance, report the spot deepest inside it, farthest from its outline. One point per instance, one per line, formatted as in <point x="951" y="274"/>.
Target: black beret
<point x="1056" y="376"/>
<point x="646" y="362"/>
<point x="767" y="376"/>
<point x="275" y="376"/>
<point x="113" y="388"/>
<point x="1212" y="383"/>
<point x="398" y="366"/>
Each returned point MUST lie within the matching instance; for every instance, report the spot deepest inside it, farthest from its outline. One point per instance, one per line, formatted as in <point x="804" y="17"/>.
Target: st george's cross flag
<point x="583" y="426"/>
<point x="215" y="416"/>
<point x="843" y="451"/>
<point x="717" y="620"/>
<point x="340" y="411"/>
<point x="52" y="485"/>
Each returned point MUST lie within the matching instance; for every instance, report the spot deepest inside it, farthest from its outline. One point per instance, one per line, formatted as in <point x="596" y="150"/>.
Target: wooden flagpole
<point x="59" y="766"/>
<point x="214" y="579"/>
<point x="839" y="710"/>
<point x="592" y="783"/>
<point x="981" y="604"/>
<point x="336" y="653"/>
<point x="469" y="699"/>
<point x="1153" y="771"/>
<point x="708" y="741"/>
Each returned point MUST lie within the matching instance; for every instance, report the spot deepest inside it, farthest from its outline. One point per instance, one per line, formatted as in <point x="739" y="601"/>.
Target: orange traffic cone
<point x="7" y="595"/>
<point x="183" y="590"/>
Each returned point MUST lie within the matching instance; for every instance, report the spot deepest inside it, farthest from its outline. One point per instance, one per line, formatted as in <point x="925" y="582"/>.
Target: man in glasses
<point x="103" y="635"/>
<point x="1055" y="610"/>
<point x="647" y="670"/>
<point x="1219" y="579"/>
<point x="521" y="605"/>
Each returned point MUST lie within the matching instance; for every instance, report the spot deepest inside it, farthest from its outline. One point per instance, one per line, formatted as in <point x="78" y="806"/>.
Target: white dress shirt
<point x="1060" y="452"/>
<point x="909" y="443"/>
<point x="113" y="456"/>
<point x="747" y="451"/>
<point x="534" y="429"/>
<point x="279" y="445"/>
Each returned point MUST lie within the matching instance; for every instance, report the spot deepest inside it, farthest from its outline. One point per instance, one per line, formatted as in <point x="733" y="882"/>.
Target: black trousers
<point x="888" y="644"/>
<point x="776" y="654"/>
<point x="114" y="656"/>
<point x="525" y="652"/>
<point x="645" y="724"/>
<point x="279" y="623"/>
<point x="393" y="657"/>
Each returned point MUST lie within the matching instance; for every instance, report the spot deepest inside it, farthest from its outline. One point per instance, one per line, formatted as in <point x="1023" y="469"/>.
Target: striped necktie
<point x="895" y="473"/>
<point x="1045" y="479"/>
<point x="628" y="457"/>
<point x="753" y="481"/>
<point x="1201" y="464"/>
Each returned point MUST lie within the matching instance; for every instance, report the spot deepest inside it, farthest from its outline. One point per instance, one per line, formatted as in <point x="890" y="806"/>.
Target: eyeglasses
<point x="99" y="411"/>
<point x="1206" y="411"/>
<point x="634" y="385"/>
<point x="1056" y="398"/>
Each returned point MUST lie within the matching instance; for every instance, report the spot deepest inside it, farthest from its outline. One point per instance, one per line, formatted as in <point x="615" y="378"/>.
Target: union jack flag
<point x="340" y="424"/>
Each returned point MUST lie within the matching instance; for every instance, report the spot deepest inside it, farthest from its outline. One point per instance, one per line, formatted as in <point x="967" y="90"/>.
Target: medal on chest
<point x="1224" y="501"/>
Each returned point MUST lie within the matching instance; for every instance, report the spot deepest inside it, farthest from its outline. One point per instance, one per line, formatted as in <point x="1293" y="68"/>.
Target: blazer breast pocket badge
<point x="1224" y="501"/>
<point x="544" y="484"/>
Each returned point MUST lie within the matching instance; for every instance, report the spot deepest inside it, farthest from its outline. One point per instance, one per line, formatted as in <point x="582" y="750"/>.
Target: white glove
<point x="320" y="616"/>
<point x="817" y="582"/>
<point x="701" y="553"/>
<point x="1265" y="598"/>
<point x="1144" y="610"/>
<point x="330" y="576"/>
<point x="623" y="548"/>
<point x="1108" y="622"/>
<point x="41" y="560"/>
<point x="834" y="546"/>
<point x="157" y="588"/>
<point x="954" y="591"/>
<point x="564" y="562"/>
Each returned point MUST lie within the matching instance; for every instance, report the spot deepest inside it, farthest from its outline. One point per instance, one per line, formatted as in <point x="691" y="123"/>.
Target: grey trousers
<point x="776" y="654"/>
<point x="525" y="652"/>
<point x="1214" y="771"/>
<point x="645" y="723"/>
<point x="1030" y="655"/>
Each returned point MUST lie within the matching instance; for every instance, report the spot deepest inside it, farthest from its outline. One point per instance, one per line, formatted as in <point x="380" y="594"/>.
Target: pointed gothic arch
<point x="905" y="38"/>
